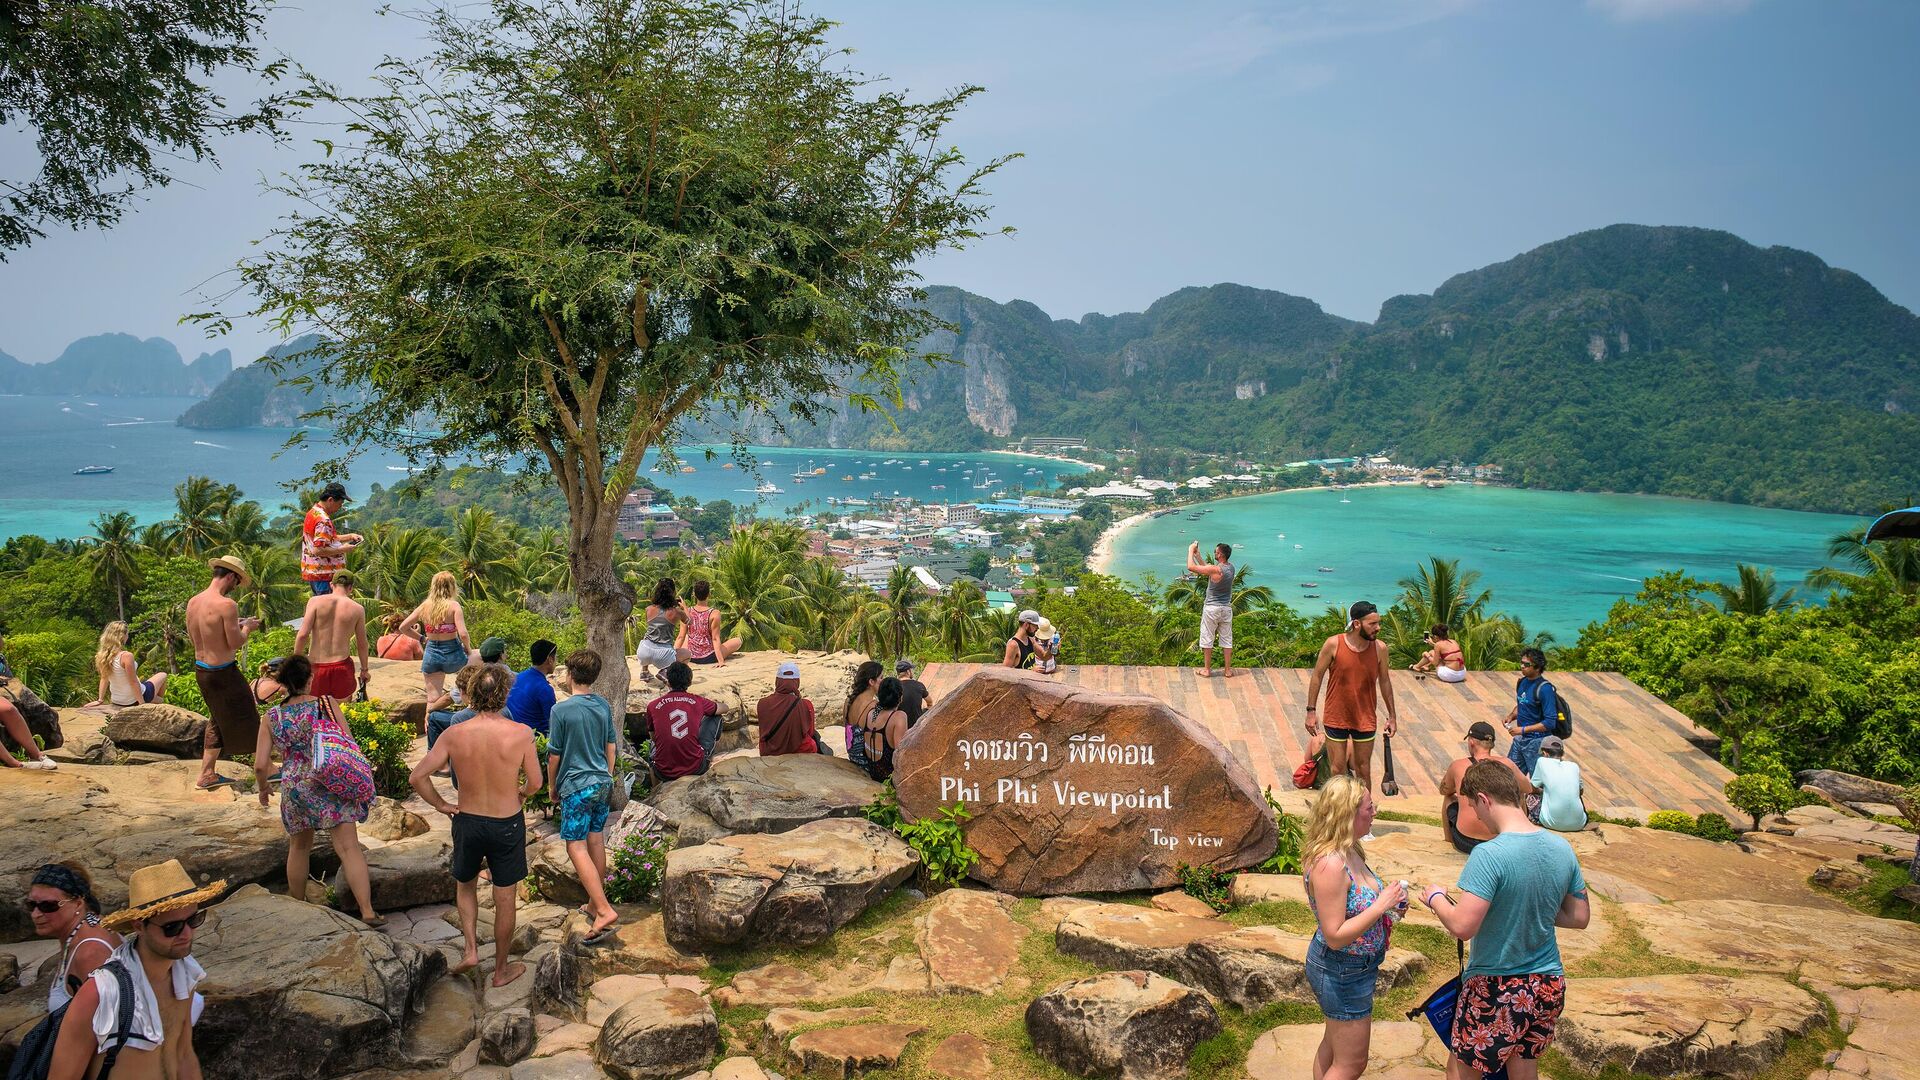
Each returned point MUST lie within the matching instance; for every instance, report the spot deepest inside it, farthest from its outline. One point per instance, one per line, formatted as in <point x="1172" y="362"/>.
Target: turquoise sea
<point x="1556" y="559"/>
<point x="43" y="439"/>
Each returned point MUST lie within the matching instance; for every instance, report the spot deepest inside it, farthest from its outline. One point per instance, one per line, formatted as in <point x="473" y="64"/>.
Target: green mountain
<point x="254" y="396"/>
<point x="117" y="365"/>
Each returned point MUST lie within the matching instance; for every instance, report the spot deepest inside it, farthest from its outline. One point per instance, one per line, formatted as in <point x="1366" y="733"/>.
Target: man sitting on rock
<point x="1464" y="828"/>
<point x="498" y="769"/>
<point x="580" y="771"/>
<point x="332" y="632"/>
<point x="1558" y="782"/>
<point x="684" y="727"/>
<point x="786" y="719"/>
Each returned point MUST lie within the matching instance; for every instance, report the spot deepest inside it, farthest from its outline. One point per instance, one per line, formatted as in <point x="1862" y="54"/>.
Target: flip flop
<point x="222" y="782"/>
<point x="376" y="922"/>
<point x="599" y="938"/>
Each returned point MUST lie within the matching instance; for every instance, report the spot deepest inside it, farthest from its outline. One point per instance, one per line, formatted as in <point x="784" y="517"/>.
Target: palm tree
<point x="199" y="504"/>
<point x="865" y="625"/>
<point x="955" y="616"/>
<point x="995" y="626"/>
<point x="274" y="594"/>
<point x="821" y="603"/>
<point x="1189" y="593"/>
<point x="1895" y="561"/>
<point x="399" y="562"/>
<point x="1757" y="594"/>
<point x="243" y="523"/>
<point x="111" y="556"/>
<point x="902" y="603"/>
<point x="751" y="593"/>
<point x="478" y="547"/>
<point x="1440" y="592"/>
<point x="158" y="538"/>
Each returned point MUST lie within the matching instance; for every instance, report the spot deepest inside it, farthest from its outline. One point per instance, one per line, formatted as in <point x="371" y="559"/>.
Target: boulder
<point x="1127" y="1024"/>
<point x="739" y="1068"/>
<point x="448" y="1020"/>
<point x="1847" y="789"/>
<point x="1077" y="790"/>
<point x="399" y="688"/>
<point x="969" y="942"/>
<point x="296" y="990"/>
<point x="1182" y="904"/>
<point x="116" y="819"/>
<point x="507" y="1037"/>
<point x="572" y="1065"/>
<point x="1399" y="1050"/>
<point x="772" y="795"/>
<point x="845" y="1052"/>
<point x="160" y="728"/>
<point x="738" y="686"/>
<point x="1836" y="946"/>
<point x="965" y="1056"/>
<point x="1267" y="889"/>
<point x="794" y="888"/>
<point x="782" y="1024"/>
<point x="1122" y="936"/>
<point x="405" y="874"/>
<point x="388" y="820"/>
<point x="1677" y="867"/>
<point x="690" y="826"/>
<point x="605" y="996"/>
<point x="1882" y="1039"/>
<point x="658" y="1036"/>
<point x="44" y="721"/>
<point x="1667" y="1025"/>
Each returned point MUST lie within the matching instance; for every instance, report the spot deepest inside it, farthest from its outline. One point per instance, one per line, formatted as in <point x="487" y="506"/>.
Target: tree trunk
<point x="605" y="604"/>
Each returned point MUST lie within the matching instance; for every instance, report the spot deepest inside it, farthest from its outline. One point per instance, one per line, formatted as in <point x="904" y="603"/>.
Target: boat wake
<point x="214" y="445"/>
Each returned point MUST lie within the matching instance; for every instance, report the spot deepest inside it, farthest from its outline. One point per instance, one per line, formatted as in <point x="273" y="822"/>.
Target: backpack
<point x="34" y="1059"/>
<point x="1562" y="715"/>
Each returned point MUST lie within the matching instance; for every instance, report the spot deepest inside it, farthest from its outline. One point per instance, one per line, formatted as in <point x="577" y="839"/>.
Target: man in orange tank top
<point x="1354" y="668"/>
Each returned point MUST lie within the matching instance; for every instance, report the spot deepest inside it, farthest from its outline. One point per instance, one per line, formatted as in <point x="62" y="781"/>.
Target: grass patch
<point x="1876" y="896"/>
<point x="1293" y="916"/>
<point x="1803" y="1057"/>
<point x="1627" y="952"/>
<point x="1409" y="818"/>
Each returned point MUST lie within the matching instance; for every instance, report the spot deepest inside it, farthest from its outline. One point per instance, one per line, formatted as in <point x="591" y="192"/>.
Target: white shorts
<point x="1450" y="674"/>
<point x="1216" y="623"/>
<point x="654" y="654"/>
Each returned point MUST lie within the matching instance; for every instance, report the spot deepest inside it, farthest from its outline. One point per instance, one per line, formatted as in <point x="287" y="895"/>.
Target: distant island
<point x="1657" y="360"/>
<point x="117" y="365"/>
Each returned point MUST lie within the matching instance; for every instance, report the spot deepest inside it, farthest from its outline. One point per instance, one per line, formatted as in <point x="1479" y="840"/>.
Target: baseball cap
<point x="1031" y="616"/>
<point x="1480" y="731"/>
<point x="540" y="650"/>
<point x="334" y="490"/>
<point x="902" y="666"/>
<point x="788" y="670"/>
<point x="492" y="649"/>
<point x="343" y="577"/>
<point x="1361" y="609"/>
<point x="1553" y="743"/>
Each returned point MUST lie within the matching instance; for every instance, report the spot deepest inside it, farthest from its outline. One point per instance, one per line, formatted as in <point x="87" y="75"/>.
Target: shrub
<point x="941" y="843"/>
<point x="1760" y="794"/>
<point x="1206" y="884"/>
<point x="884" y="810"/>
<point x="540" y="801"/>
<point x="1711" y="826"/>
<point x="635" y="866"/>
<point x="183" y="690"/>
<point x="1286" y="855"/>
<point x="520" y="628"/>
<point x="1672" y="821"/>
<point x="385" y="744"/>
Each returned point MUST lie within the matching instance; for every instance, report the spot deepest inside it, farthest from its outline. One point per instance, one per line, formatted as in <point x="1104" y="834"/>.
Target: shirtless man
<point x="1354" y="667"/>
<point x="334" y="628"/>
<point x="498" y="769"/>
<point x="217" y="631"/>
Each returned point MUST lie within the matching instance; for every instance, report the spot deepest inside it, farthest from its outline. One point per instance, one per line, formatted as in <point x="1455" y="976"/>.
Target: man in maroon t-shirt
<point x="684" y="727"/>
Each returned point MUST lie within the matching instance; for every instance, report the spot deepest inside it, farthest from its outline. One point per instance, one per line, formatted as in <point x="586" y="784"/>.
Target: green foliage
<point x="884" y="810"/>
<point x="385" y="745"/>
<point x="1760" y="794"/>
<point x="520" y="628"/>
<point x="56" y="664"/>
<point x="1712" y="826"/>
<point x="635" y="867"/>
<point x="1206" y="884"/>
<point x="184" y="691"/>
<point x="1286" y="855"/>
<point x="941" y="843"/>
<point x="541" y="801"/>
<point x="1672" y="821"/>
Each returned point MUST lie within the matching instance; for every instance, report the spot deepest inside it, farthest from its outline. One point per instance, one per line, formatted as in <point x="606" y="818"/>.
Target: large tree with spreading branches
<point x="577" y="224"/>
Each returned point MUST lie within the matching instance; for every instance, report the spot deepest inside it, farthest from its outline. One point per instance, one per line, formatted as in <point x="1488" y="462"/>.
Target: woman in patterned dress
<point x="305" y="806"/>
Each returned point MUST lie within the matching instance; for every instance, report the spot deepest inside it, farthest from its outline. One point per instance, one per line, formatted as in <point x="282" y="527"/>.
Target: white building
<point x="1200" y="483"/>
<point x="873" y="573"/>
<point x="1118" y="491"/>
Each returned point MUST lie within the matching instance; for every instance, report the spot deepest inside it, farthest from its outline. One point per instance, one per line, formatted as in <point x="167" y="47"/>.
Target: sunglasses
<point x="44" y="907"/>
<point x="173" y="929"/>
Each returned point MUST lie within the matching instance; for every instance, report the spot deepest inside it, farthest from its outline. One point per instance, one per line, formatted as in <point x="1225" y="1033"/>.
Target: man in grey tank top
<point x="1216" y="616"/>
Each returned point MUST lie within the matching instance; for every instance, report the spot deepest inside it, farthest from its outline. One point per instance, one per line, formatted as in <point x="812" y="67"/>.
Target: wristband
<point x="1313" y="708"/>
<point x="1428" y="899"/>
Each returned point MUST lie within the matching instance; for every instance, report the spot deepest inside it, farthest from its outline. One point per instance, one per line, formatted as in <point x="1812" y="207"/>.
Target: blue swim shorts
<point x="584" y="812"/>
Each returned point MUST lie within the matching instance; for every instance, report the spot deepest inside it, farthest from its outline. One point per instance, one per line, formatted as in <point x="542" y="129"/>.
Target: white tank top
<point x="126" y="689"/>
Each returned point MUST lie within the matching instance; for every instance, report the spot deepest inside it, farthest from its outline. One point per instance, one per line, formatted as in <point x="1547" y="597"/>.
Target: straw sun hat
<point x="229" y="562"/>
<point x="166" y="887"/>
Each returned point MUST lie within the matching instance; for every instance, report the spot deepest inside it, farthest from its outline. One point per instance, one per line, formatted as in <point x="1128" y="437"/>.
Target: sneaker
<point x="39" y="763"/>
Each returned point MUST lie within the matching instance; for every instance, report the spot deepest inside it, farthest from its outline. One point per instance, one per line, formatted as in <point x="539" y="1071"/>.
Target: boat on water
<point x="939" y="487"/>
<point x="766" y="487"/>
<point x="1309" y="595"/>
<point x="1309" y="584"/>
<point x="1296" y="547"/>
<point x="93" y="470"/>
<point x="686" y="468"/>
<point x="847" y="477"/>
<point x="924" y="461"/>
<point x="727" y="465"/>
<point x="1434" y="485"/>
<point x="1326" y="569"/>
<point x="800" y="475"/>
<point x="867" y="475"/>
<point x="1346" y="500"/>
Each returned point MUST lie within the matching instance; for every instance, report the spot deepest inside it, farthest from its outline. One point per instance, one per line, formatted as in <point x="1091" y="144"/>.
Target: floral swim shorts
<point x="584" y="812"/>
<point x="1506" y="1016"/>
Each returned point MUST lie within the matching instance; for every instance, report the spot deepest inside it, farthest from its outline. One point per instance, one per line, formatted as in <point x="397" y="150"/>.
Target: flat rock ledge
<point x="842" y="1053"/>
<point x="793" y="888"/>
<point x="1133" y="1025"/>
<point x="1668" y="1025"/>
<point x="752" y="794"/>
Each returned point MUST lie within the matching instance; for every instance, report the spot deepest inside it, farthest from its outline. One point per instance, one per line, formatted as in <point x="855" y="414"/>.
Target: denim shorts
<point x="584" y="812"/>
<point x="447" y="656"/>
<point x="1342" y="982"/>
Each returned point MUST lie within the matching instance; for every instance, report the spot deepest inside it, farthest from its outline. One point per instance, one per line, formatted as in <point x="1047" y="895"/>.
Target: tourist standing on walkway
<point x="1536" y="708"/>
<point x="217" y="631"/>
<point x="120" y="681"/>
<point x="684" y="727"/>
<point x="1515" y="889"/>
<point x="1025" y="650"/>
<point x="332" y="632"/>
<point x="665" y="617"/>
<point x="531" y="700"/>
<point x="785" y="719"/>
<point x="397" y="643"/>
<point x="1443" y="657"/>
<point x="492" y="754"/>
<point x="866" y="683"/>
<point x="155" y="965"/>
<point x="1354" y="667"/>
<point x="1465" y="829"/>
<point x="914" y="695"/>
<point x="62" y="907"/>
<point x="1216" y="614"/>
<point x="443" y="623"/>
<point x="700" y="641"/>
<point x="1354" y="911"/>
<point x="1558" y="782"/>
<point x="580" y="777"/>
<point x="323" y="551"/>
<point x="883" y="728"/>
<point x="306" y="804"/>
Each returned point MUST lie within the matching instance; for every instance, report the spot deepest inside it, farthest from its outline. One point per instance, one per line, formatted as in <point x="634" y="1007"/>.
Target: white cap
<point x="788" y="670"/>
<point x="1031" y="616"/>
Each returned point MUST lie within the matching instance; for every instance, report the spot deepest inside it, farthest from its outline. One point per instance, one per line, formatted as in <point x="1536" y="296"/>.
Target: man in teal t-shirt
<point x="580" y="763"/>
<point x="1558" y="782"/>
<point x="1516" y="888"/>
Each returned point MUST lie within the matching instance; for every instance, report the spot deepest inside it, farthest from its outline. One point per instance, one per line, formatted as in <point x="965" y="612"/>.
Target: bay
<point x="45" y="438"/>
<point x="1556" y="559"/>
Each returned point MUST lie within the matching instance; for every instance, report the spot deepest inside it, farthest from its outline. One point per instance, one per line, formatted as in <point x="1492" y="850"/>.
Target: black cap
<point x="1480" y="731"/>
<point x="334" y="490"/>
<point x="1361" y="609"/>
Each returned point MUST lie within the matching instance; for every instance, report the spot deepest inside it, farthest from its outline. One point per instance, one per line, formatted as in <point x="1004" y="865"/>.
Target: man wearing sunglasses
<point x="154" y="966"/>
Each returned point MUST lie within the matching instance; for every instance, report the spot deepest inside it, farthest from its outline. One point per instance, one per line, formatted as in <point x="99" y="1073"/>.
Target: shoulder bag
<point x="339" y="766"/>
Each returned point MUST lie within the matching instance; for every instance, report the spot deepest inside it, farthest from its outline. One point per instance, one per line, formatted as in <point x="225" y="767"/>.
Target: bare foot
<point x="1227" y="674"/>
<point x="467" y="963"/>
<point x="514" y="971"/>
<point x="1204" y="673"/>
<point x="603" y="924"/>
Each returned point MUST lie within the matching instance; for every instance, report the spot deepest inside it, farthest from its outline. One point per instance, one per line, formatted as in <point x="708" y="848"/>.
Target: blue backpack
<point x="34" y="1059"/>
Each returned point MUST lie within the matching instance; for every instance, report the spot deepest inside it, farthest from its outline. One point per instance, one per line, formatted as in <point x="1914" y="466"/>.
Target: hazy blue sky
<point x="1341" y="151"/>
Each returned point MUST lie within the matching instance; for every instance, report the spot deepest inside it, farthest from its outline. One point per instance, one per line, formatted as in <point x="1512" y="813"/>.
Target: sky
<point x="1346" y="152"/>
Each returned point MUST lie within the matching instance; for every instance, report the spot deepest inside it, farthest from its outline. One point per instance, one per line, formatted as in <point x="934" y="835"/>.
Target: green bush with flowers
<point x="385" y="744"/>
<point x="635" y="866"/>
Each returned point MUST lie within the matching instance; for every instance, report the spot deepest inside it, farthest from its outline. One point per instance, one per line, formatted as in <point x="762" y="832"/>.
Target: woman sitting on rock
<point x="62" y="906"/>
<point x="866" y="684"/>
<point x="1355" y="910"/>
<point x="305" y="805"/>
<point x="120" y="681"/>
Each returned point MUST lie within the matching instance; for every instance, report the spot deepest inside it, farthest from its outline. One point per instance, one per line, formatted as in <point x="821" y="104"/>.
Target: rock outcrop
<point x="1399" y="1050"/>
<point x="658" y="1036"/>
<point x="1080" y="791"/>
<point x="841" y="1053"/>
<point x="41" y="718"/>
<point x="795" y="887"/>
<point x="1669" y="1025"/>
<point x="969" y="942"/>
<point x="1834" y="946"/>
<point x="160" y="728"/>
<point x="1850" y="790"/>
<point x="507" y="1037"/>
<point x="1126" y="1024"/>
<point x="752" y="794"/>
